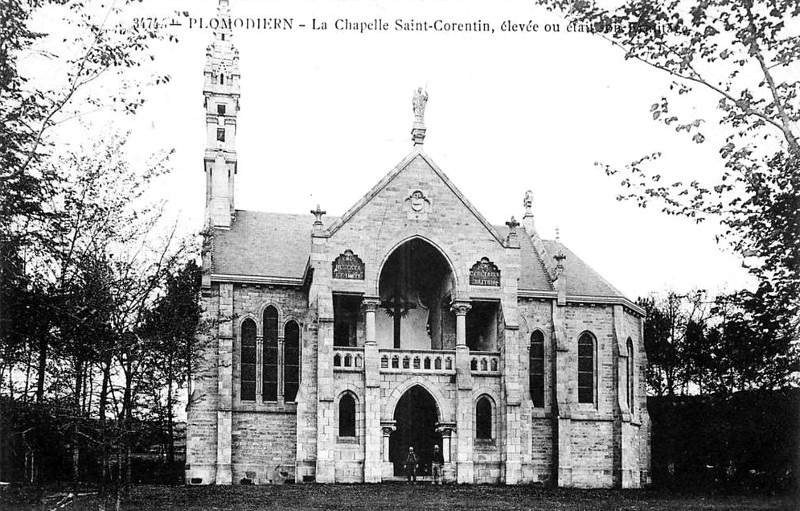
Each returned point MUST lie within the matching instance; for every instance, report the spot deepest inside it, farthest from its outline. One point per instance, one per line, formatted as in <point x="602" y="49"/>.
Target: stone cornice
<point x="573" y="299"/>
<point x="256" y="279"/>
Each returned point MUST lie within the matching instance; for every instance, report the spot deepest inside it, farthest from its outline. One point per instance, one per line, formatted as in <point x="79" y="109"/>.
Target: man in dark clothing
<point x="411" y="465"/>
<point x="436" y="465"/>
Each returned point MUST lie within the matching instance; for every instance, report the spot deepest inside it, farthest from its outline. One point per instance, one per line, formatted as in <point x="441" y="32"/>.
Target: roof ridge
<point x="538" y="256"/>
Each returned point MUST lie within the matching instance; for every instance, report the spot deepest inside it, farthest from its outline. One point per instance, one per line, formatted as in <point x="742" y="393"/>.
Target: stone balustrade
<point x="484" y="363"/>
<point x="418" y="361"/>
<point x="348" y="358"/>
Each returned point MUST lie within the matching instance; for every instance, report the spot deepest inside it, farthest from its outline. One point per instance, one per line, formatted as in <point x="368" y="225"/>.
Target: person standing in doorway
<point x="436" y="465"/>
<point x="411" y="465"/>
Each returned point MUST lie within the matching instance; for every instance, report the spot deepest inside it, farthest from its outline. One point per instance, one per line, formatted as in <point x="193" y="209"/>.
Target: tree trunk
<point x="42" y="369"/>
<point x="170" y="428"/>
<point x="76" y="424"/>
<point x="127" y="414"/>
<point x="28" y="374"/>
<point x="101" y="408"/>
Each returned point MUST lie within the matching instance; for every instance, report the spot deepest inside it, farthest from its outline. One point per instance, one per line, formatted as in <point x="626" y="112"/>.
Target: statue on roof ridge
<point x="419" y="102"/>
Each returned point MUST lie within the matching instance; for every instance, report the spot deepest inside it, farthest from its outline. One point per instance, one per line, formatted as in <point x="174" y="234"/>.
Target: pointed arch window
<point x="347" y="416"/>
<point x="483" y="418"/>
<point x="586" y="368"/>
<point x="629" y="370"/>
<point x="270" y="371"/>
<point x="291" y="360"/>
<point x="248" y="360"/>
<point x="537" y="368"/>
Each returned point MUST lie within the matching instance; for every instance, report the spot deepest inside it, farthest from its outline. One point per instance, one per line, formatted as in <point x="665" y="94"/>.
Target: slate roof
<point x="532" y="275"/>
<point x="279" y="244"/>
<point x="264" y="245"/>
<point x="582" y="280"/>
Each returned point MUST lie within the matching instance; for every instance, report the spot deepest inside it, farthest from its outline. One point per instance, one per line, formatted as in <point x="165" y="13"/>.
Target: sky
<point x="325" y="114"/>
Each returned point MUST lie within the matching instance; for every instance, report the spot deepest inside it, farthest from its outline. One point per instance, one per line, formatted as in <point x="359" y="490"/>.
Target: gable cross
<point x="318" y="216"/>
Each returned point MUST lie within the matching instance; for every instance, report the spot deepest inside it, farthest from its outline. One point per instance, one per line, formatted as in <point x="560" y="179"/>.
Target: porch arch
<point x="374" y="281"/>
<point x="444" y="409"/>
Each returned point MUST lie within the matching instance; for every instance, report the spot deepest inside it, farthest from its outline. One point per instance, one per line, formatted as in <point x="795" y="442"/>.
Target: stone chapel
<point x="335" y="343"/>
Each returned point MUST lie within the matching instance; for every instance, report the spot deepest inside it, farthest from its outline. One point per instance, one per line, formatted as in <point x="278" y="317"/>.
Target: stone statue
<point x="528" y="202"/>
<point x="420" y="99"/>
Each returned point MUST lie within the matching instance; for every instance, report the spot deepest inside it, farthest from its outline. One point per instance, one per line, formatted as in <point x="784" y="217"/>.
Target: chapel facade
<point x="332" y="344"/>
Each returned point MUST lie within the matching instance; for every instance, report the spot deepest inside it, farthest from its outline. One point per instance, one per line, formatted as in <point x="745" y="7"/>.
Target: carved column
<point x="281" y="376"/>
<point x="372" y="396"/>
<point x="370" y="306"/>
<point x="446" y="430"/>
<point x="259" y="368"/>
<point x="464" y="408"/>
<point x="387" y="427"/>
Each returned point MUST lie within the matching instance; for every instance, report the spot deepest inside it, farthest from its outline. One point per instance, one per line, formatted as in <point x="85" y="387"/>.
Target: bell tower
<point x="221" y="101"/>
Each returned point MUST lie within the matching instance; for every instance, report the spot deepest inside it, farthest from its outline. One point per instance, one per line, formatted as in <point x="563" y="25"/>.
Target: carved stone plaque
<point x="348" y="266"/>
<point x="418" y="205"/>
<point x="484" y="273"/>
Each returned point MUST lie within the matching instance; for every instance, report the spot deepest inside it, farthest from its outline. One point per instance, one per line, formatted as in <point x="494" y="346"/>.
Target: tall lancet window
<point x="291" y="361"/>
<point x="248" y="361"/>
<point x="483" y="419"/>
<point x="270" y="380"/>
<point x="629" y="368"/>
<point x="347" y="416"/>
<point x="586" y="370"/>
<point x="537" y="368"/>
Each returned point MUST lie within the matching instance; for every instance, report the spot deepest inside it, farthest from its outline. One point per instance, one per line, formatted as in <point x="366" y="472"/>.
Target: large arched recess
<point x="416" y="284"/>
<point x="416" y="415"/>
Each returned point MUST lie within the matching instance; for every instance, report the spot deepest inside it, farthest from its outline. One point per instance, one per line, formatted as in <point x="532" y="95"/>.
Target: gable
<point x="417" y="171"/>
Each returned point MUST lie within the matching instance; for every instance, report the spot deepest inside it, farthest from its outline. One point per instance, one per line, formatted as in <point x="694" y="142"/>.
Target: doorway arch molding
<point x="444" y="410"/>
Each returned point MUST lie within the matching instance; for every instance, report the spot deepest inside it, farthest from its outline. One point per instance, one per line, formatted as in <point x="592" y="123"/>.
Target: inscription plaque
<point x="484" y="273"/>
<point x="348" y="266"/>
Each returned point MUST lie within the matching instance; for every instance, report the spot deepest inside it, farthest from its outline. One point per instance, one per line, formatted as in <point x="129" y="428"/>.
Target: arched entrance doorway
<point x="415" y="415"/>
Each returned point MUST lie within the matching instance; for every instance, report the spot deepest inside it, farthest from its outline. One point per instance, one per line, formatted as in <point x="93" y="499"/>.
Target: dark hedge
<point x="747" y="441"/>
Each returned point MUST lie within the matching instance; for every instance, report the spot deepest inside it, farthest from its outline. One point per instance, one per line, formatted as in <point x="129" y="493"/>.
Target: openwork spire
<point x="223" y="31"/>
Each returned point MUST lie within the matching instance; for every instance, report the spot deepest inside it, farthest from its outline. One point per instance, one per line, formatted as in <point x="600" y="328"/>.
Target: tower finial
<point x="224" y="30"/>
<point x="418" y="103"/>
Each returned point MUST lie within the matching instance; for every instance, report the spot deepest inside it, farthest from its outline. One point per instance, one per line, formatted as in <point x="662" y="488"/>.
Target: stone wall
<point x="593" y="454"/>
<point x="265" y="439"/>
<point x="201" y="433"/>
<point x="263" y="446"/>
<point x="349" y="452"/>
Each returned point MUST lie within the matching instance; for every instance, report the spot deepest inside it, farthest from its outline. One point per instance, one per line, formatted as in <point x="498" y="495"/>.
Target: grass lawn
<point x="401" y="496"/>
